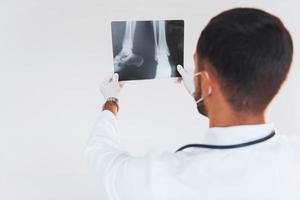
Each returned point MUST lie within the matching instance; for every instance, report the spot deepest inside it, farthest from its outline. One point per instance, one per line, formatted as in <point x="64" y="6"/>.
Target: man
<point x="242" y="58"/>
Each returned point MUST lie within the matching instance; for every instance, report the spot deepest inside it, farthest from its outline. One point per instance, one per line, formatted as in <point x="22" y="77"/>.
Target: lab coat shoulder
<point x="290" y="163"/>
<point x="294" y="142"/>
<point x="290" y="143"/>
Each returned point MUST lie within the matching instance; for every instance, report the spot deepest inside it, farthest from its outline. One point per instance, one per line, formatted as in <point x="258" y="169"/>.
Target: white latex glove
<point x="187" y="78"/>
<point x="111" y="87"/>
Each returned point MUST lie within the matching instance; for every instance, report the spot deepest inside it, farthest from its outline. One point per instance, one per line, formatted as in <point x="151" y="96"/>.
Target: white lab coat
<point x="264" y="171"/>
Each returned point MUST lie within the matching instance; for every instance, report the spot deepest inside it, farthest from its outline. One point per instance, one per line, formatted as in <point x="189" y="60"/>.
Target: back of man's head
<point x="250" y="52"/>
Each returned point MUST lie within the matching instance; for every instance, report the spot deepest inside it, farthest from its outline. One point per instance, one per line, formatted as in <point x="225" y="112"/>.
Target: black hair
<point x="251" y="52"/>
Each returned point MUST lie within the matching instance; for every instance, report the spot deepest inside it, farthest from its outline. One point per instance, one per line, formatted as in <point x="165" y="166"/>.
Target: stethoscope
<point x="210" y="146"/>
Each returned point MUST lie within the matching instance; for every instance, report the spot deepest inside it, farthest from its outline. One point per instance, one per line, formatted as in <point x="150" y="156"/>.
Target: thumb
<point x="115" y="77"/>
<point x="181" y="71"/>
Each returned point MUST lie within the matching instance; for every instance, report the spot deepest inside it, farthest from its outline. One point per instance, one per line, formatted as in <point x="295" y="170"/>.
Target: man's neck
<point x="235" y="119"/>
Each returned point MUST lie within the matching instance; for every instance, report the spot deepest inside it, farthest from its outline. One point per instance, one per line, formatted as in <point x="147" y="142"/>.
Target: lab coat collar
<point x="237" y="134"/>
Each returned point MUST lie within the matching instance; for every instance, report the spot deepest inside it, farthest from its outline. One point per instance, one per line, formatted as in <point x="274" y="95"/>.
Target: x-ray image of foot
<point x="147" y="49"/>
<point x="163" y="68"/>
<point x="126" y="58"/>
<point x="162" y="52"/>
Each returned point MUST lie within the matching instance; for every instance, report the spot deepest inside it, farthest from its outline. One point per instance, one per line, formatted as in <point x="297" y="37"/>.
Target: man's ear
<point x="206" y="83"/>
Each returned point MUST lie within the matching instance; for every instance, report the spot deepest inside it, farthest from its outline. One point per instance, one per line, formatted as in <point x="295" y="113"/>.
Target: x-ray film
<point x="147" y="49"/>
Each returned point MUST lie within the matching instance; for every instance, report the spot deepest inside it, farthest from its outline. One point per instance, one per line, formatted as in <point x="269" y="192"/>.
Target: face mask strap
<point x="198" y="73"/>
<point x="209" y="91"/>
<point x="199" y="100"/>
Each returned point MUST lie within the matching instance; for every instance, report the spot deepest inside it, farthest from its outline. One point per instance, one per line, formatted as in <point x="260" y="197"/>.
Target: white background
<point x="54" y="54"/>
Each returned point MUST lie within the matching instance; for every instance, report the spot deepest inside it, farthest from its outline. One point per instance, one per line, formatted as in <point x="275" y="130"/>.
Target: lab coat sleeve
<point x="121" y="175"/>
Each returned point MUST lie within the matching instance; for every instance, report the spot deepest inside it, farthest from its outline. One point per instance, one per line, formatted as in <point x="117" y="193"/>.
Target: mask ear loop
<point x="209" y="89"/>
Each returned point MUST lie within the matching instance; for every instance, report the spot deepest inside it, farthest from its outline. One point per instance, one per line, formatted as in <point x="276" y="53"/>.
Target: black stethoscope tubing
<point x="210" y="146"/>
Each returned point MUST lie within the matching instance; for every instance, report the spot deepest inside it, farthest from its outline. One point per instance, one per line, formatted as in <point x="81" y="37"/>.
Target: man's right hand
<point x="111" y="87"/>
<point x="187" y="79"/>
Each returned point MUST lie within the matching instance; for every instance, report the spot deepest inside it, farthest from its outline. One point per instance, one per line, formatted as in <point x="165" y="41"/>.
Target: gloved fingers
<point x="114" y="78"/>
<point x="181" y="71"/>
